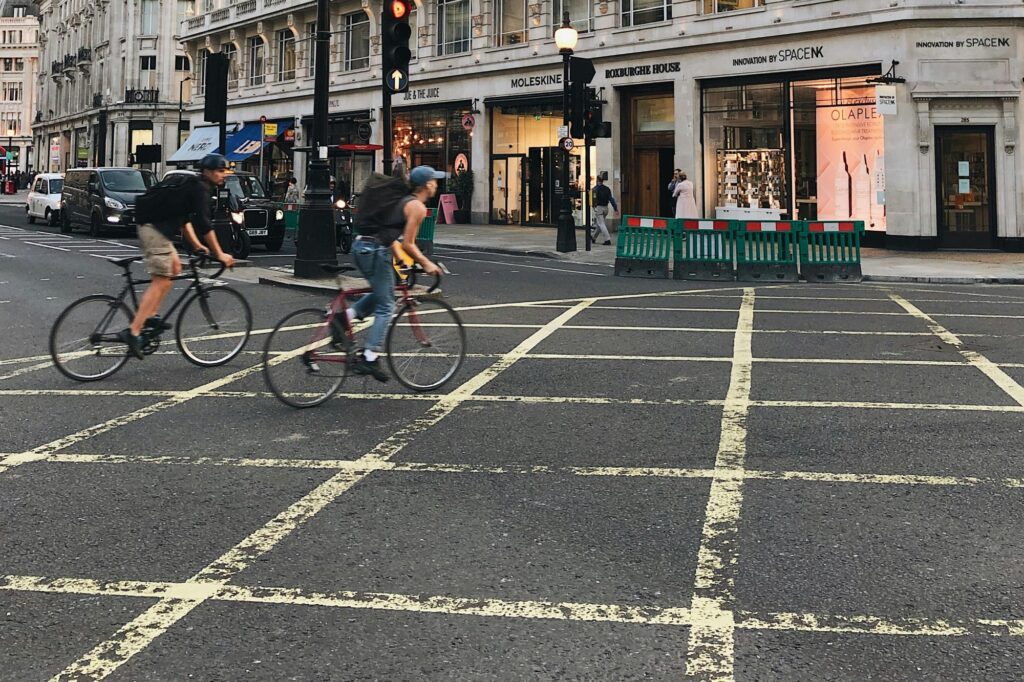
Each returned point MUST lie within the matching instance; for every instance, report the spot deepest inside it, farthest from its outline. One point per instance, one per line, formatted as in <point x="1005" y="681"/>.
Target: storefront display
<point x="750" y="178"/>
<point x="433" y="136"/>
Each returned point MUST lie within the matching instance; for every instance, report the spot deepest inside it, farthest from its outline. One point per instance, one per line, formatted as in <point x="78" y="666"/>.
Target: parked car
<point x="263" y="217"/>
<point x="44" y="198"/>
<point x="101" y="198"/>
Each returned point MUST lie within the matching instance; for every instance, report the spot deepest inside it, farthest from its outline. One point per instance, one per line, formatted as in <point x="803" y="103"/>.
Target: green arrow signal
<point x="397" y="78"/>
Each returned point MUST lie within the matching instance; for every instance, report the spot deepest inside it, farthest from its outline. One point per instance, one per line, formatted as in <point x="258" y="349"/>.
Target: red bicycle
<point x="308" y="354"/>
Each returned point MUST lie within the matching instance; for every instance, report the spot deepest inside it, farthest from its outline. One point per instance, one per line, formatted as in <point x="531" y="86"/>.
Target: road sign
<point x="269" y="132"/>
<point x="567" y="144"/>
<point x="468" y="122"/>
<point x="397" y="80"/>
<point x="563" y="131"/>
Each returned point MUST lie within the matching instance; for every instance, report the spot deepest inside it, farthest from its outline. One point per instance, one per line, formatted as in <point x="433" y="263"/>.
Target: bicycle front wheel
<point x="304" y="360"/>
<point x="426" y="344"/>
<point x="83" y="341"/>
<point x="214" y="326"/>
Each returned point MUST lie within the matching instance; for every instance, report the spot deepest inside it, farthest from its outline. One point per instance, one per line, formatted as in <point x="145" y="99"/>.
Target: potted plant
<point x="461" y="185"/>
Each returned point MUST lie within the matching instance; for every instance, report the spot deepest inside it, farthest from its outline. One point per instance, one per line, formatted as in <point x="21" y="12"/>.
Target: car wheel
<point x="51" y="217"/>
<point x="274" y="244"/>
<point x="95" y="226"/>
<point x="65" y="223"/>
<point x="31" y="218"/>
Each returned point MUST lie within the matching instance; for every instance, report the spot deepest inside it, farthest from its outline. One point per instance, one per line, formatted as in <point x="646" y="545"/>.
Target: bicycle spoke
<point x="304" y="363"/>
<point x="83" y="341"/>
<point x="426" y="345"/>
<point x="214" y="326"/>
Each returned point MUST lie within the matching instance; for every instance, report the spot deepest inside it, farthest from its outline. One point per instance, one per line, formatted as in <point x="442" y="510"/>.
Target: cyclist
<point x="372" y="253"/>
<point x="158" y="252"/>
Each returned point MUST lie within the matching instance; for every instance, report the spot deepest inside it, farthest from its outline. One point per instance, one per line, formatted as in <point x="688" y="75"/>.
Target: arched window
<point x="257" y="60"/>
<point x="285" y="55"/>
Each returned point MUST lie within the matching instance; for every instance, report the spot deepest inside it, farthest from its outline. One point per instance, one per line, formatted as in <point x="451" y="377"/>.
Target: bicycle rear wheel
<point x="426" y="344"/>
<point x="301" y="364"/>
<point x="214" y="326"/>
<point x="83" y="340"/>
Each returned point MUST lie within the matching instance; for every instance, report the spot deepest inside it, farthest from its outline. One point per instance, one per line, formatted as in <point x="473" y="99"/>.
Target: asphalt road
<point x="629" y="479"/>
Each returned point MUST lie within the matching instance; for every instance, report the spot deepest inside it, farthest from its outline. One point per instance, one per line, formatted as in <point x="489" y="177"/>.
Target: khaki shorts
<point x="157" y="251"/>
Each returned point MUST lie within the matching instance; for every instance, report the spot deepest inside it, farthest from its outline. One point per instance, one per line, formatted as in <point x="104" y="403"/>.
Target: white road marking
<point x="532" y="267"/>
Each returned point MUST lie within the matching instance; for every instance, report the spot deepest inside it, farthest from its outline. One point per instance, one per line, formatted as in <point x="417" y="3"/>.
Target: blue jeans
<point x="374" y="261"/>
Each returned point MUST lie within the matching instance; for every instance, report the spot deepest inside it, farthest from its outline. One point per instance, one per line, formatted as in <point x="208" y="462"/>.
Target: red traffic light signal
<point x="399" y="9"/>
<point x="395" y="53"/>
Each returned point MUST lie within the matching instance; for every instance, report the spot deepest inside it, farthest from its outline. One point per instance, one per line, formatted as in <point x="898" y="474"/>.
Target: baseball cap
<point x="420" y="175"/>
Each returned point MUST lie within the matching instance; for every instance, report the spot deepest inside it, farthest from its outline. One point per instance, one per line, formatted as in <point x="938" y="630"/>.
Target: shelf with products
<point x="752" y="178"/>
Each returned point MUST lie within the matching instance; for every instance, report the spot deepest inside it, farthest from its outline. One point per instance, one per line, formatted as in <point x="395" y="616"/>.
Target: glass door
<point x="506" y="191"/>
<point x="966" y="187"/>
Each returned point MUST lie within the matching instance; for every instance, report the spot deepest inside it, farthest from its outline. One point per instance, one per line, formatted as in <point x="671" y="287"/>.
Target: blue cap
<point x="421" y="175"/>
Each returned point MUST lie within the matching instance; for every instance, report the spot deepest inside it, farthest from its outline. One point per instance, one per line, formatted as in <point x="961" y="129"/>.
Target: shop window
<point x="257" y="60"/>
<point x="452" y="26"/>
<point x="357" y="41"/>
<point x="716" y="6"/>
<point x="581" y="14"/>
<point x="285" y="55"/>
<point x="434" y="137"/>
<point x="510" y="22"/>
<point x="639" y="12"/>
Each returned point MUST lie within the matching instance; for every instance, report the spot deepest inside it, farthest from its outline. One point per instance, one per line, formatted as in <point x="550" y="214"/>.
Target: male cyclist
<point x="372" y="252"/>
<point x="159" y="254"/>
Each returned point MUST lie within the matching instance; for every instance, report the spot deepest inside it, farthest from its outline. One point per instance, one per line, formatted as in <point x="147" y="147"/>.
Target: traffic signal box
<point x="215" y="109"/>
<point x="395" y="35"/>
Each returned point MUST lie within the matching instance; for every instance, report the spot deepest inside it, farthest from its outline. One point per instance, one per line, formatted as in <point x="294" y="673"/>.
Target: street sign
<point x="567" y="144"/>
<point x="563" y="131"/>
<point x="468" y="122"/>
<point x="269" y="132"/>
<point x="397" y="80"/>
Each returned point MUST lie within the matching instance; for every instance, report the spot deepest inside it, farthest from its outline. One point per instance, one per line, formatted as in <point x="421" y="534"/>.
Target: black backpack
<point x="166" y="200"/>
<point x="377" y="202"/>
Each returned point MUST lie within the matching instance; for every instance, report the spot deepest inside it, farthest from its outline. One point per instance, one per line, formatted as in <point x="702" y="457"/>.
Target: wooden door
<point x="646" y="184"/>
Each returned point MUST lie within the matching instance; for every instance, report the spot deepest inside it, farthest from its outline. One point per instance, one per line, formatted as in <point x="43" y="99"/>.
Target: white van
<point x="44" y="198"/>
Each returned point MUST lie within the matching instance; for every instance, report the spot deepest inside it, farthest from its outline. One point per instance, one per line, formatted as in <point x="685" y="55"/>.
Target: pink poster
<point x="851" y="159"/>
<point x="448" y="207"/>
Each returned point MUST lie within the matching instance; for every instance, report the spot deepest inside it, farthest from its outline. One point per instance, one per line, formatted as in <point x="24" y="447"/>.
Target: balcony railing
<point x="196" y="22"/>
<point x="97" y="100"/>
<point x="55" y="67"/>
<point x="246" y="7"/>
<point x="84" y="54"/>
<point x="132" y="96"/>
<point x="220" y="14"/>
<point x="69" y="62"/>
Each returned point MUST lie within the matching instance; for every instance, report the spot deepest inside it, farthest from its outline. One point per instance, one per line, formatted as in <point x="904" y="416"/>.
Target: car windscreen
<point x="245" y="187"/>
<point x="56" y="186"/>
<point x="127" y="180"/>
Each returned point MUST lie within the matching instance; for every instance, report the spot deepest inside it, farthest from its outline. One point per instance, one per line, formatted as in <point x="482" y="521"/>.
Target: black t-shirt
<point x="196" y="193"/>
<point x="393" y="227"/>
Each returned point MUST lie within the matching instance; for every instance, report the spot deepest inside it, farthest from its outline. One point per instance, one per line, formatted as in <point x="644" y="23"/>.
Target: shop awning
<point x="247" y="142"/>
<point x="200" y="142"/>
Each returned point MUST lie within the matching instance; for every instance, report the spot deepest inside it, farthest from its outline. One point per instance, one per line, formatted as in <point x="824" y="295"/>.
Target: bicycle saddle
<point x="124" y="262"/>
<point x="337" y="269"/>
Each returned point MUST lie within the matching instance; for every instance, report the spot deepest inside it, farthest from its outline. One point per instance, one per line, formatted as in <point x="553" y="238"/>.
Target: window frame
<point x="710" y="8"/>
<point x="257" y="76"/>
<point x="285" y="49"/>
<point x="447" y="48"/>
<point x="349" y="63"/>
<point x="501" y="35"/>
<point x="581" y="25"/>
<point x="628" y="16"/>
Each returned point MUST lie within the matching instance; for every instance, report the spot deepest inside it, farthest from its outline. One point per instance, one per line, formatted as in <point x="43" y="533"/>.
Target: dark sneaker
<point x="158" y="324"/>
<point x="370" y="368"/>
<point x="133" y="342"/>
<point x="608" y="243"/>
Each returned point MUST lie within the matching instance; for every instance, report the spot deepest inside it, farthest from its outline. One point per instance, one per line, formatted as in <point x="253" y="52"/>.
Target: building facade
<point x="19" y="64"/>
<point x="904" y="114"/>
<point x="112" y="76"/>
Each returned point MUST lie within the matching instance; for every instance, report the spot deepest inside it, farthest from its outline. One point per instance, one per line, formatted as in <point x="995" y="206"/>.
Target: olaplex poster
<point x="851" y="159"/>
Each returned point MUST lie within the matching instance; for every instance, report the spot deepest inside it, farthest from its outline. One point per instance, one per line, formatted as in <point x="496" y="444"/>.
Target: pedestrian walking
<point x="602" y="199"/>
<point x="291" y="195"/>
<point x="686" y="204"/>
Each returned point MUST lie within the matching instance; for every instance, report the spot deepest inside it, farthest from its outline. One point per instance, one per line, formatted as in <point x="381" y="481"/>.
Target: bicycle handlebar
<point x="415" y="268"/>
<point x="197" y="261"/>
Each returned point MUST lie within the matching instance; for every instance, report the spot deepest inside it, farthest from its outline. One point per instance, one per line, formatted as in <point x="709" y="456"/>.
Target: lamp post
<point x="565" y="40"/>
<point x="315" y="245"/>
<point x="181" y="88"/>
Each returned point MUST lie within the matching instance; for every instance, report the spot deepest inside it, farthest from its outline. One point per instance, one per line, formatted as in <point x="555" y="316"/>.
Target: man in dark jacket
<point x="602" y="199"/>
<point x="158" y="251"/>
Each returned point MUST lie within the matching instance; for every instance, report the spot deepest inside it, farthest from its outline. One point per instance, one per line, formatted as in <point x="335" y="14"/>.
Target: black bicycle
<point x="212" y="327"/>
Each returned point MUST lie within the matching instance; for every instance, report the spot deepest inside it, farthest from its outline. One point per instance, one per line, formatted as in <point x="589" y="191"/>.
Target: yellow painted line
<point x="814" y="332"/>
<point x="987" y="367"/>
<point x="876" y="625"/>
<point x="26" y="370"/>
<point x="29" y="358"/>
<point x="855" y="405"/>
<point x="140" y="632"/>
<point x="710" y="653"/>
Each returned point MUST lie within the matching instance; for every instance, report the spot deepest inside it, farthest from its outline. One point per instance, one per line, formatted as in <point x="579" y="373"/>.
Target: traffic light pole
<point x="586" y="191"/>
<point x="315" y="243"/>
<point x="565" y="239"/>
<point x="387" y="136"/>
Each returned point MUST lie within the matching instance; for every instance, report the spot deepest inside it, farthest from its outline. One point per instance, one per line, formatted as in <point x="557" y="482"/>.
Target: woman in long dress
<point x="686" y="204"/>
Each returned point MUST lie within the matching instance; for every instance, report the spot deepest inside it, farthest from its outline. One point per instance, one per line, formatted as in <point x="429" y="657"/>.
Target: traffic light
<point x="595" y="125"/>
<point x="395" y="35"/>
<point x="215" y="108"/>
<point x="577" y="109"/>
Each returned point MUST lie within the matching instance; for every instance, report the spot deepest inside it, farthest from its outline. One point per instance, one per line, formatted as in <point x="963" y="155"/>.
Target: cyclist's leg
<point x="364" y="255"/>
<point x="163" y="264"/>
<point x="383" y="283"/>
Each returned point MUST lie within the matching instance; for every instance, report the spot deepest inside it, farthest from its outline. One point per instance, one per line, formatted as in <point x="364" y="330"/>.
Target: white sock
<point x="370" y="355"/>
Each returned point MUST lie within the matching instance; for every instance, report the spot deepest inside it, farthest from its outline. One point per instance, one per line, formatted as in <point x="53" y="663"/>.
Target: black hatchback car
<point x="102" y="198"/>
<point x="264" y="218"/>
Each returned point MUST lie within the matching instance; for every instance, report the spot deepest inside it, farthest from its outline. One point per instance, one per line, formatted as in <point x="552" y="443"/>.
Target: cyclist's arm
<point x="415" y="212"/>
<point x="189" y="233"/>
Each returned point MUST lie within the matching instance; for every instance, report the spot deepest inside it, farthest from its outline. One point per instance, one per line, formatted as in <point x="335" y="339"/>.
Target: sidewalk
<point x="17" y="199"/>
<point x="879" y="265"/>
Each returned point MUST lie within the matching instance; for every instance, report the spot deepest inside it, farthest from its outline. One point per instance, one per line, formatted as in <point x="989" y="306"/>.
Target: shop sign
<point x="885" y="100"/>
<point x="461" y="163"/>
<point x="363" y="131"/>
<point x="449" y="205"/>
<point x="82" y="153"/>
<point x="468" y="122"/>
<point x="968" y="43"/>
<point x="534" y="81"/>
<point x="783" y="56"/>
<point x="643" y="70"/>
<point x="269" y="132"/>
<point x="55" y="151"/>
<point x="421" y="93"/>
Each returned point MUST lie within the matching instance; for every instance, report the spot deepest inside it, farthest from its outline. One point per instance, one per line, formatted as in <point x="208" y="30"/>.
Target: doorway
<point x="507" y="190"/>
<point x="965" y="179"/>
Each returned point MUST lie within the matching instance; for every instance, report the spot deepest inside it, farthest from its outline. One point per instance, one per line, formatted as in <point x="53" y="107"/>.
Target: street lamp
<point x="181" y="88"/>
<point x="565" y="40"/>
<point x="315" y="244"/>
